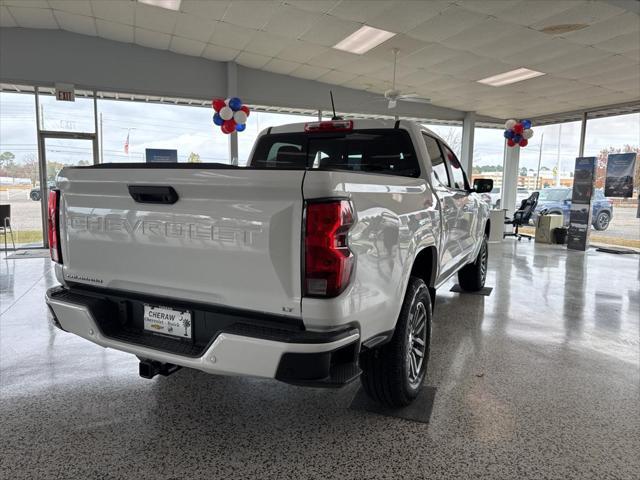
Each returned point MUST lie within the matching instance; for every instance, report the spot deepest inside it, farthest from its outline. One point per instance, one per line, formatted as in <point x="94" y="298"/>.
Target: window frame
<point x="444" y="162"/>
<point x="450" y="168"/>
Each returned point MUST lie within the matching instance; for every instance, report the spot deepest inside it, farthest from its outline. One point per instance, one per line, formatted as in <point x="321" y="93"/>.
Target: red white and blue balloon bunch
<point x="231" y="115"/>
<point x="518" y="132"/>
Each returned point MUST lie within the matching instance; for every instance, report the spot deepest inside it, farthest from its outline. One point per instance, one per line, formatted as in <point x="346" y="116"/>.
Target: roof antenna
<point x="333" y="107"/>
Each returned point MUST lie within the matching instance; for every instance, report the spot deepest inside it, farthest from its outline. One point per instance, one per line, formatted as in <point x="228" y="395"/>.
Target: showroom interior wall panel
<point x="43" y="57"/>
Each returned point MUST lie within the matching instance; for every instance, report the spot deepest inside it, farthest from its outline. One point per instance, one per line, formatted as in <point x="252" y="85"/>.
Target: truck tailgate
<point x="232" y="238"/>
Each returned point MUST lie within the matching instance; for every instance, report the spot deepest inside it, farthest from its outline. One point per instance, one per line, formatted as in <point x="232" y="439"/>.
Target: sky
<point x="190" y="129"/>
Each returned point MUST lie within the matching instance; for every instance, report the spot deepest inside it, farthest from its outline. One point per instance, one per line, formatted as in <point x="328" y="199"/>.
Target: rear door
<point x="449" y="245"/>
<point x="232" y="238"/>
<point x="466" y="224"/>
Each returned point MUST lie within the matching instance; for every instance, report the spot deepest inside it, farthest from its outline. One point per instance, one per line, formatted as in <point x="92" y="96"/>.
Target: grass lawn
<point x="23" y="236"/>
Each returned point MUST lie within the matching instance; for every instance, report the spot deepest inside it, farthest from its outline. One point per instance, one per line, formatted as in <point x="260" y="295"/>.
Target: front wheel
<point x="392" y="374"/>
<point x="472" y="277"/>
<point x="602" y="221"/>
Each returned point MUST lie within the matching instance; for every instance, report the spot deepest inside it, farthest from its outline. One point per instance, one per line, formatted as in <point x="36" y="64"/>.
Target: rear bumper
<point x="260" y="352"/>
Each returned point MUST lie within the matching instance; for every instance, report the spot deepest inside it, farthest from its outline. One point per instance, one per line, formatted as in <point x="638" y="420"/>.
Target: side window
<point x="438" y="167"/>
<point x="456" y="169"/>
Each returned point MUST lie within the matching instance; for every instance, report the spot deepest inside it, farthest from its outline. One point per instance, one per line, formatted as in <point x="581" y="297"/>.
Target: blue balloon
<point x="235" y="104"/>
<point x="516" y="138"/>
<point x="526" y="124"/>
<point x="217" y="119"/>
<point x="240" y="127"/>
<point x="508" y="134"/>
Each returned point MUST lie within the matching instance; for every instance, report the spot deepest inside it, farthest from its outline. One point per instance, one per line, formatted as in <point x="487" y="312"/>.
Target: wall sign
<point x="620" y="170"/>
<point x="160" y="155"/>
<point x="580" y="214"/>
<point x="65" y="92"/>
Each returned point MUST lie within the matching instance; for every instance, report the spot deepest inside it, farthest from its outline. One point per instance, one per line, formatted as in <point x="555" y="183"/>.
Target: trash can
<point x="560" y="235"/>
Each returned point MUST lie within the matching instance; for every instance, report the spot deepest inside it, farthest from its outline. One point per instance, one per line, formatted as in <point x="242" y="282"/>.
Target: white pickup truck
<point x="315" y="264"/>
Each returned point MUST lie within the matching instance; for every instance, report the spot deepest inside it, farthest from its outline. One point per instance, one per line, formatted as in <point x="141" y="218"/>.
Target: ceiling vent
<point x="563" y="28"/>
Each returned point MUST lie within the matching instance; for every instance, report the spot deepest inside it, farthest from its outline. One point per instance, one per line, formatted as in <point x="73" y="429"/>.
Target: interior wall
<point x="43" y="57"/>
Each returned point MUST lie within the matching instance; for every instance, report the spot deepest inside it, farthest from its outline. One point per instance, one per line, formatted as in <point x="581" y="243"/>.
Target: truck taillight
<point x="54" y="226"/>
<point x="328" y="261"/>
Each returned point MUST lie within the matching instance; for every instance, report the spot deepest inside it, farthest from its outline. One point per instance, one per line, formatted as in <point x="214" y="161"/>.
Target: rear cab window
<point x="382" y="151"/>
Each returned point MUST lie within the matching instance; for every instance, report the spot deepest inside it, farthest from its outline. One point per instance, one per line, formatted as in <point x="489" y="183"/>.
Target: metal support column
<point x="232" y="91"/>
<point x="583" y="134"/>
<point x="468" y="128"/>
<point x="42" y="164"/>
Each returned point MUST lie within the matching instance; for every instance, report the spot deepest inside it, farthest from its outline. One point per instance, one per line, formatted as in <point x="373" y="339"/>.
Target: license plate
<point x="167" y="321"/>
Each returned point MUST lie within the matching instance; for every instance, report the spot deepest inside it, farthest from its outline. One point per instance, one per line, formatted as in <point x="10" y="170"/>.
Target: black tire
<point x="497" y="207"/>
<point x="472" y="276"/>
<point x="35" y="196"/>
<point x="602" y="221"/>
<point x="391" y="375"/>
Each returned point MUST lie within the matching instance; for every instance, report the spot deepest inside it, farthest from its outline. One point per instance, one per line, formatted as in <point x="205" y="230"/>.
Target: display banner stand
<point x="580" y="214"/>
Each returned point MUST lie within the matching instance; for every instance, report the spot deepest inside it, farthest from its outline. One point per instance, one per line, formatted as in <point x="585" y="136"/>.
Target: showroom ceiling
<point x="589" y="51"/>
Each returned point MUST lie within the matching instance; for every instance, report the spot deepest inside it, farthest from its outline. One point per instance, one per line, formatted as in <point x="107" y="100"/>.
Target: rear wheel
<point x="393" y="373"/>
<point x="473" y="276"/>
<point x="35" y="196"/>
<point x="602" y="221"/>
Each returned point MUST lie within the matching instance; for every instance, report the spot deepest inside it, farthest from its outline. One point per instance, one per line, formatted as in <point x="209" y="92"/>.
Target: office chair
<point x="522" y="216"/>
<point x="5" y="224"/>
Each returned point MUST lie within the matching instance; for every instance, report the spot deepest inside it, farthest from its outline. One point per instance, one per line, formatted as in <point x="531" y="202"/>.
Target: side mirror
<point x="482" y="185"/>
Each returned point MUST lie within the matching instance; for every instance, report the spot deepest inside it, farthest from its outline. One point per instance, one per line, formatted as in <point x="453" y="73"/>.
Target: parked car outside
<point x="35" y="193"/>
<point x="558" y="201"/>
<point x="521" y="194"/>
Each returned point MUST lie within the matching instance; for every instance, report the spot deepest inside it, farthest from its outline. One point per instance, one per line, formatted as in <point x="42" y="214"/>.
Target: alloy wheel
<point x="417" y="345"/>
<point x="484" y="257"/>
<point x="603" y="221"/>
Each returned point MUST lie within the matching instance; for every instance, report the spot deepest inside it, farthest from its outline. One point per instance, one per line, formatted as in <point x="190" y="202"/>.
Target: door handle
<point x="153" y="194"/>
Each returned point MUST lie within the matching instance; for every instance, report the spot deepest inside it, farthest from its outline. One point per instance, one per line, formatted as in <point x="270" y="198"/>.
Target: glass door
<point x="19" y="172"/>
<point x="61" y="150"/>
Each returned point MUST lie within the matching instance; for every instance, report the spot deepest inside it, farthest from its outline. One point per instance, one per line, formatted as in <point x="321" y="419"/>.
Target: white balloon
<point x="240" y="117"/>
<point x="509" y="124"/>
<point x="528" y="133"/>
<point x="226" y="102"/>
<point x="226" y="113"/>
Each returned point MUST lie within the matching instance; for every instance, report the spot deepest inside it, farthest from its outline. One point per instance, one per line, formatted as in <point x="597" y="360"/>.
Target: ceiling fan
<point x="393" y="95"/>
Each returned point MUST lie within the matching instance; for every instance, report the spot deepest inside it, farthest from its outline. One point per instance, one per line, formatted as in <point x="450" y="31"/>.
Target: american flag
<point x="126" y="144"/>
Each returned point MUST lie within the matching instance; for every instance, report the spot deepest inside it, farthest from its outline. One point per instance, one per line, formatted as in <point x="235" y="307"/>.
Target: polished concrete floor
<point x="539" y="380"/>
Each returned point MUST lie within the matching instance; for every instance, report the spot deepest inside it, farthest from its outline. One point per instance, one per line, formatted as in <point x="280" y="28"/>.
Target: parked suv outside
<point x="558" y="201"/>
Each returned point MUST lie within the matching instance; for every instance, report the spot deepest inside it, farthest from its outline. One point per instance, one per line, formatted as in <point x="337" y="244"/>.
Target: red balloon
<point x="511" y="143"/>
<point x="217" y="104"/>
<point x="524" y="142"/>
<point x="518" y="128"/>
<point x="245" y="109"/>
<point x="229" y="126"/>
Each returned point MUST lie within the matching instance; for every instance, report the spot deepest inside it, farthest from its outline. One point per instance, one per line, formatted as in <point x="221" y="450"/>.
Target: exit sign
<point x="65" y="92"/>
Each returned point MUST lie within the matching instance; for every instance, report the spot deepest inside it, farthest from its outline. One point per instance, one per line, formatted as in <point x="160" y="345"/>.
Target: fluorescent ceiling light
<point x="513" y="76"/>
<point x="168" y="4"/>
<point x="363" y="40"/>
